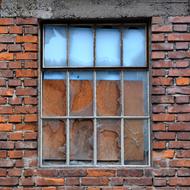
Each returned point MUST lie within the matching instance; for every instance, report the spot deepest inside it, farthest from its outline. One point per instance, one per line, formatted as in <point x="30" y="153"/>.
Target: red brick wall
<point x="170" y="119"/>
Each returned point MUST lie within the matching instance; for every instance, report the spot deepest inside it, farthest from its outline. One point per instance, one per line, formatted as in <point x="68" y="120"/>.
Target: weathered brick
<point x="8" y="181"/>
<point x="49" y="181"/>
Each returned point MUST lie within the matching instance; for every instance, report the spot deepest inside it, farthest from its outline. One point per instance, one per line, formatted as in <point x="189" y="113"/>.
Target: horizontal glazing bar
<point x="96" y="117"/>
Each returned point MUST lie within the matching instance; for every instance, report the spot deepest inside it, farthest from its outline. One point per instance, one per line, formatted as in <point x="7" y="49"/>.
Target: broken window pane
<point x="107" y="47"/>
<point x="134" y="47"/>
<point x="108" y="140"/>
<point x="81" y="140"/>
<point x="54" y="140"/>
<point x="135" y="141"/>
<point x="135" y="93"/>
<point x="54" y="94"/>
<point x="108" y="93"/>
<point x="81" y="93"/>
<point x="81" y="47"/>
<point x="55" y="46"/>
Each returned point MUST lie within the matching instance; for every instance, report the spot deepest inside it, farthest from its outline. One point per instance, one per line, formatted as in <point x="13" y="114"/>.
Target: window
<point x="95" y="95"/>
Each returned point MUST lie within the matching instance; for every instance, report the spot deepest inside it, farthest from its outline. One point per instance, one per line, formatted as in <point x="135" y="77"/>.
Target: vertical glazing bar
<point x="121" y="46"/>
<point x="122" y="119"/>
<point x="94" y="101"/>
<point x="68" y="40"/>
<point x="149" y="131"/>
<point x="67" y="124"/>
<point x="41" y="130"/>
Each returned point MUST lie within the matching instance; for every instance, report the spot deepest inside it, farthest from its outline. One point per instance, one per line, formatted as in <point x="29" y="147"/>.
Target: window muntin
<point x="89" y="97"/>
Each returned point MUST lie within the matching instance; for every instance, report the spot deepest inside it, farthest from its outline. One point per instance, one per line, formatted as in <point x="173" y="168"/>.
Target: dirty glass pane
<point x="81" y="47"/>
<point x="53" y="140"/>
<point x="81" y="93"/>
<point x="107" y="47"/>
<point x="108" y="140"/>
<point x="81" y="140"/>
<point x="55" y="43"/>
<point x="108" y="93"/>
<point x="135" y="93"/>
<point x="54" y="94"/>
<point x="134" y="47"/>
<point x="136" y="141"/>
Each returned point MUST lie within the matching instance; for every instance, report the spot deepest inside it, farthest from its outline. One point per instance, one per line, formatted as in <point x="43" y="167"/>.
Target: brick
<point x="30" y="64"/>
<point x="183" y="136"/>
<point x="180" y="126"/>
<point x="182" y="81"/>
<point x="30" y="136"/>
<point x="28" y="21"/>
<point x="15" y="30"/>
<point x="72" y="181"/>
<point x="178" y="90"/>
<point x="165" y="135"/>
<point x="6" y="127"/>
<point x="15" y="154"/>
<point x="6" y="110"/>
<point x="15" y="65"/>
<point x="162" y="28"/>
<point x="163" y="117"/>
<point x="158" y="55"/>
<point x="158" y="127"/>
<point x="184" y="172"/>
<point x="16" y="136"/>
<point x="158" y="38"/>
<point x="26" y="56"/>
<point x="7" y="39"/>
<point x="179" y="37"/>
<point x="49" y="181"/>
<point x="29" y="39"/>
<point x="30" y="47"/>
<point x="162" y="81"/>
<point x="162" y="46"/>
<point x="6" y="92"/>
<point x="181" y="64"/>
<point x="180" y="27"/>
<point x="158" y="90"/>
<point x="183" y="154"/>
<point x="26" y="181"/>
<point x="181" y="45"/>
<point x="179" y="108"/>
<point x="6" y="21"/>
<point x="162" y="99"/>
<point x="30" y="30"/>
<point x="14" y="47"/>
<point x="30" y="118"/>
<point x="179" y="55"/>
<point x="15" y="101"/>
<point x="162" y="64"/>
<point x="14" y="82"/>
<point x="93" y="181"/>
<point x="8" y="181"/>
<point x="179" y="144"/>
<point x="26" y="92"/>
<point x="3" y="47"/>
<point x="30" y="101"/>
<point x="179" y="181"/>
<point x="159" y="182"/>
<point x="164" y="154"/>
<point x="15" y="172"/>
<point x="6" y="56"/>
<point x="3" y="30"/>
<point x="164" y="172"/>
<point x="138" y="181"/>
<point x="25" y="109"/>
<point x="100" y="173"/>
<point x="6" y="164"/>
<point x="26" y="73"/>
<point x="30" y="82"/>
<point x="129" y="173"/>
<point x="179" y="19"/>
<point x="159" y="145"/>
<point x="183" y="117"/>
<point x="26" y="145"/>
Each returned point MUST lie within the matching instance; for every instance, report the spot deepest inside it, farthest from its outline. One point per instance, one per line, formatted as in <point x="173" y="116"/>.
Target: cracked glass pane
<point x="108" y="93"/>
<point x="81" y="140"/>
<point x="54" y="140"/>
<point x="55" y="46"/>
<point x="135" y="93"/>
<point x="107" y="47"/>
<point x="81" y="93"/>
<point x="134" y="47"/>
<point x="81" y="47"/>
<point x="136" y="141"/>
<point x="108" y="140"/>
<point x="54" y="94"/>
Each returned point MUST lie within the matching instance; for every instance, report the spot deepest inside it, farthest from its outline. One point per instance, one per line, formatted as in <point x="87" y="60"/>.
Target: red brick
<point x="183" y="117"/>
<point x="15" y="65"/>
<point x="181" y="63"/>
<point x="158" y="55"/>
<point x="138" y="181"/>
<point x="16" y="136"/>
<point x="15" y="101"/>
<point x="162" y="81"/>
<point x="14" y="82"/>
<point x="159" y="182"/>
<point x="6" y="21"/>
<point x="15" y="47"/>
<point x="15" y="154"/>
<point x="6" y="56"/>
<point x="162" y="64"/>
<point x="15" y="172"/>
<point x="30" y="118"/>
<point x="179" y="108"/>
<point x="27" y="56"/>
<point x="26" y="91"/>
<point x="27" y="181"/>
<point x="22" y="39"/>
<point x="179" y="144"/>
<point x="129" y="173"/>
<point x="15" y="30"/>
<point x="6" y="164"/>
<point x="29" y="21"/>
<point x="8" y="181"/>
<point x="180" y="126"/>
<point x="6" y="110"/>
<point x="162" y="99"/>
<point x="30" y="47"/>
<point x="94" y="181"/>
<point x="183" y="135"/>
<point x="25" y="109"/>
<point x="183" y="172"/>
<point x="182" y="81"/>
<point x="6" y="127"/>
<point x="165" y="135"/>
<point x="26" y="73"/>
<point x="162" y="46"/>
<point x="30" y="64"/>
<point x="180" y="27"/>
<point x="163" y="117"/>
<point x="179" y="55"/>
<point x="162" y="28"/>
<point x="179" y="19"/>
<point x="7" y="39"/>
<point x="157" y="20"/>
<point x="30" y="101"/>
<point x="178" y="90"/>
<point x="182" y="45"/>
<point x="3" y="30"/>
<point x="100" y="173"/>
<point x="30" y="136"/>
<point x="3" y="47"/>
<point x="179" y="181"/>
<point x="158" y="38"/>
<point x="179" y="37"/>
<point x="182" y="99"/>
<point x="49" y="181"/>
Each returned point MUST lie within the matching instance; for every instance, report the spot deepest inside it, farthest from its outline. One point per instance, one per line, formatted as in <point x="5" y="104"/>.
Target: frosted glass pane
<point x="55" y="46"/>
<point x="108" y="75"/>
<point x="83" y="75"/>
<point x="81" y="47"/>
<point x="107" y="47"/>
<point x="49" y="75"/>
<point x="134" y="47"/>
<point x="135" y="93"/>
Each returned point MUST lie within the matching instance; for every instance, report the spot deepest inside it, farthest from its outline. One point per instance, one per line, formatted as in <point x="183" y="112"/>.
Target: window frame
<point x="94" y="69"/>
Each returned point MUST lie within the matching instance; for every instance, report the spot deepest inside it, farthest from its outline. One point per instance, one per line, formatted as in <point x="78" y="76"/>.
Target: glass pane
<point x="55" y="46"/>
<point x="135" y="93"/>
<point x="54" y="94"/>
<point x="108" y="140"/>
<point x="81" y="47"/>
<point x="81" y="140"/>
<point x="134" y="47"/>
<point x="136" y="141"/>
<point x="107" y="47"/>
<point x="54" y="140"/>
<point x="108" y="93"/>
<point x="81" y="93"/>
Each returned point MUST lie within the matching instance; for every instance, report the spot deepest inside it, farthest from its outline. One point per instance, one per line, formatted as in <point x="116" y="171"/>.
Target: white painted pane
<point x="107" y="47"/>
<point x="81" y="47"/>
<point x="134" y="47"/>
<point x="55" y="46"/>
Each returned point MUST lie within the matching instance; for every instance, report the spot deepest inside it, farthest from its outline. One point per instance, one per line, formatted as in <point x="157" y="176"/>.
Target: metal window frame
<point x="67" y="118"/>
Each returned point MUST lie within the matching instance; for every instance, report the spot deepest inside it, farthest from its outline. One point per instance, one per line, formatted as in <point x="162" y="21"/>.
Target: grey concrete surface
<point x="93" y="8"/>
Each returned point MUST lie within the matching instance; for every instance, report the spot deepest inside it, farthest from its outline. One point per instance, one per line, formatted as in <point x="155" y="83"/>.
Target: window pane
<point x="54" y="94"/>
<point x="108" y="140"/>
<point x="136" y="141"/>
<point x="107" y="47"/>
<point x="134" y="47"/>
<point x="108" y="93"/>
<point x="81" y="47"/>
<point x="81" y="93"/>
<point x="54" y="140"/>
<point x="81" y="140"/>
<point x="135" y="93"/>
<point x="55" y="46"/>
